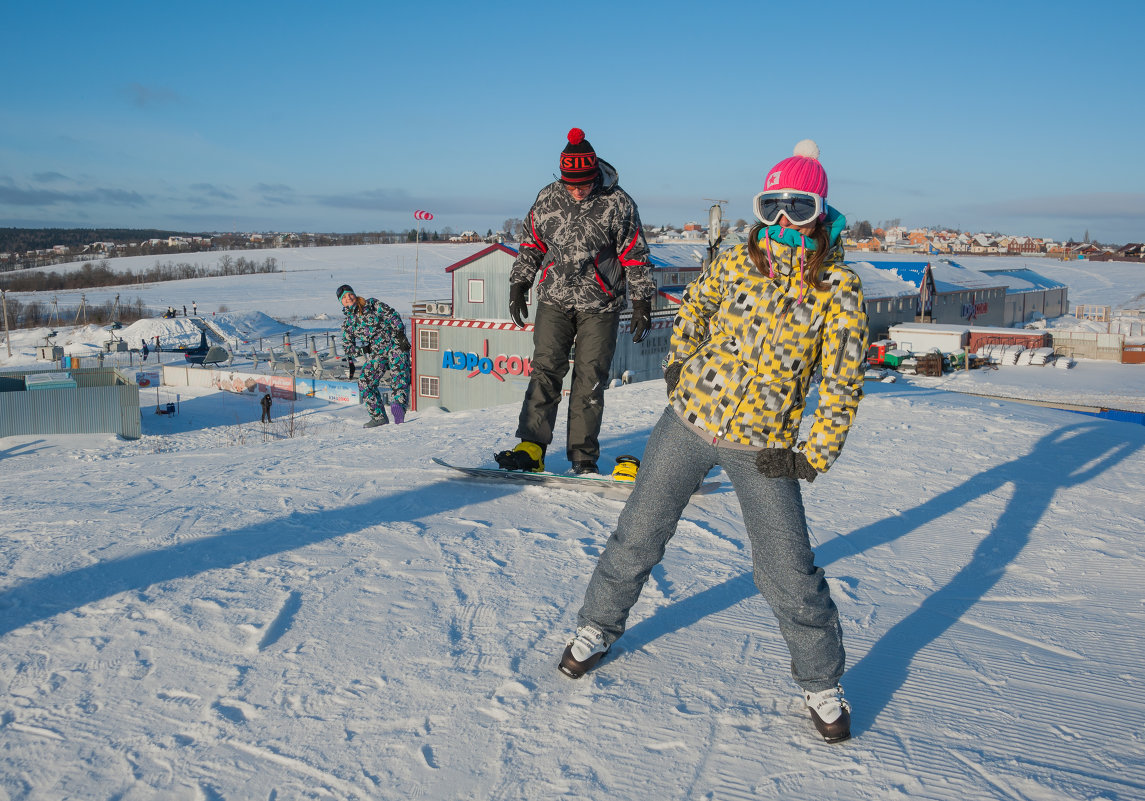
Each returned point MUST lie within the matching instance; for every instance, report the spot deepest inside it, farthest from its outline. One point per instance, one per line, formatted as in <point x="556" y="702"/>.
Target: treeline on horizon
<point x="21" y="240"/>
<point x="101" y="274"/>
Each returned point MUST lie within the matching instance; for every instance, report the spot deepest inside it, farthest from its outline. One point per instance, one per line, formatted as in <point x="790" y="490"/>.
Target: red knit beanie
<point x="578" y="160"/>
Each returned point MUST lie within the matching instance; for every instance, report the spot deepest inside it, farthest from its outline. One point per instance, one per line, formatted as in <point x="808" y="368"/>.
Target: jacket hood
<point x="609" y="177"/>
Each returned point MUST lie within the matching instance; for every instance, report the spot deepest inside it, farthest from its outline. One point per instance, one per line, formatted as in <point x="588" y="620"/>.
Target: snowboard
<point x="588" y="482"/>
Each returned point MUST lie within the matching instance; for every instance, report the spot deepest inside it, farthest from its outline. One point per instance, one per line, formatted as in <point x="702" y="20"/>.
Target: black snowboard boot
<point x="583" y="652"/>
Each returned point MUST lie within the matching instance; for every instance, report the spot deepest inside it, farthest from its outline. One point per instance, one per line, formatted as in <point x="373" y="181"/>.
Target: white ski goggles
<point x="800" y="208"/>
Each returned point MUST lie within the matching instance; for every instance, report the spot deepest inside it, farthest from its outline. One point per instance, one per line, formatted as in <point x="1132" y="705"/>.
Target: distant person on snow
<point x="583" y="235"/>
<point x="753" y="331"/>
<point x="194" y="308"/>
<point x="144" y="350"/>
<point x="375" y="330"/>
<point x="265" y="403"/>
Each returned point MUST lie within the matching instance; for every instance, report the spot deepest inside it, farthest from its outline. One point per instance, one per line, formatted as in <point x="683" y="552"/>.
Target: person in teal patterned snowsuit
<point x="373" y="329"/>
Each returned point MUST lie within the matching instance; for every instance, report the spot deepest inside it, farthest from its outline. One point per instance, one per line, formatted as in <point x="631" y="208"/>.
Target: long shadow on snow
<point x="40" y="598"/>
<point x="23" y="449"/>
<point x="1066" y="457"/>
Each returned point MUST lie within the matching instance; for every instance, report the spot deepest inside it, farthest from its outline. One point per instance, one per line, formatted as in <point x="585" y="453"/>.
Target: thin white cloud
<point x="149" y="96"/>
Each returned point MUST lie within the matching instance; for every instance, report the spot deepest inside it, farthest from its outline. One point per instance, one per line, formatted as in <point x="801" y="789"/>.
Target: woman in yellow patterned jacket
<point x="752" y="334"/>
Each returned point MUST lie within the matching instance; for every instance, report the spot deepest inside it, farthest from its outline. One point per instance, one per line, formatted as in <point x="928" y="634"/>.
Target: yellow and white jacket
<point x="749" y="346"/>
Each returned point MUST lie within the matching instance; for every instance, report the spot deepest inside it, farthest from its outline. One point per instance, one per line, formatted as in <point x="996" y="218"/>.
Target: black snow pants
<point x="556" y="333"/>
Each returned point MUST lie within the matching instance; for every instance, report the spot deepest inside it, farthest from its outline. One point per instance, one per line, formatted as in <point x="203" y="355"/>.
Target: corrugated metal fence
<point x="1089" y="345"/>
<point x="104" y="400"/>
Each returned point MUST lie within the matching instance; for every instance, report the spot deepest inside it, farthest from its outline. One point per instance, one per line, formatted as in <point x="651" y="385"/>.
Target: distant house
<point x="870" y="245"/>
<point x="1024" y="244"/>
<point x="1134" y="251"/>
<point x="919" y="238"/>
<point x="1084" y="250"/>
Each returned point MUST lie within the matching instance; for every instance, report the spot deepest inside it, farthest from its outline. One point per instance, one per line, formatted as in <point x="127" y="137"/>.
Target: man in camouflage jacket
<point x="375" y="330"/>
<point x="583" y="238"/>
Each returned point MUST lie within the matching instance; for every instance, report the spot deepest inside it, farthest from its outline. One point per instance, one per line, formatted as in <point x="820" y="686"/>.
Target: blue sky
<point x="348" y="116"/>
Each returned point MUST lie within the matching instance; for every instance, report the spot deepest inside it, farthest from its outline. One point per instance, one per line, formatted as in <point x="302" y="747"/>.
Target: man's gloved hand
<point x="672" y="376"/>
<point x="784" y="463"/>
<point x="641" y="319"/>
<point x="365" y="350"/>
<point x="403" y="341"/>
<point x="518" y="309"/>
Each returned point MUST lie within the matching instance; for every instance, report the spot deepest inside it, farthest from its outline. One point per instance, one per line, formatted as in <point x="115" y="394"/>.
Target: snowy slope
<point x="303" y="287"/>
<point x="208" y="613"/>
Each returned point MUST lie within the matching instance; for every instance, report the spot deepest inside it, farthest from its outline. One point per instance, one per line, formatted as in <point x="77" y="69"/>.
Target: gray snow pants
<point x="555" y="332"/>
<point x="675" y="461"/>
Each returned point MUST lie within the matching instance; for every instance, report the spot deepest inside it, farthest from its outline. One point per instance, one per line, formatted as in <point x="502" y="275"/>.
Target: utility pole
<point x="7" y="333"/>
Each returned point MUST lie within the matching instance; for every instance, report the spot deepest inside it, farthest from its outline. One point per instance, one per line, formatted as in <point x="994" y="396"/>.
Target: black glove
<point x="672" y="376"/>
<point x="518" y="309"/>
<point x="784" y="463"/>
<point x="365" y="350"/>
<point x="403" y="341"/>
<point x="641" y="319"/>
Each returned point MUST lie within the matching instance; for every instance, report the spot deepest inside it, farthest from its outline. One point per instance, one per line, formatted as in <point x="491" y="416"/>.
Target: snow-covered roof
<point x="1023" y="280"/>
<point x="677" y="255"/>
<point x="881" y="282"/>
<point x="949" y="276"/>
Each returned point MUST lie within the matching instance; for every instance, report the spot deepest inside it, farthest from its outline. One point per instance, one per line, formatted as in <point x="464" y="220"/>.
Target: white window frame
<point x="428" y="386"/>
<point x="428" y="339"/>
<point x="476" y="290"/>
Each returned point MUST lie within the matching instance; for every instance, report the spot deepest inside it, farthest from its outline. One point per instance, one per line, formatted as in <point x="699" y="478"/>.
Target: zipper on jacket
<point x="839" y="354"/>
<point x="780" y="319"/>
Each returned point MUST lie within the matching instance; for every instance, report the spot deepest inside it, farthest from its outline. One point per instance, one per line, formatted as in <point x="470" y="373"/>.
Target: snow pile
<point x="246" y="327"/>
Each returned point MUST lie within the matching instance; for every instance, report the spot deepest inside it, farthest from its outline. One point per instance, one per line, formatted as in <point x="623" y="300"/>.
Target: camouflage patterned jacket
<point x="588" y="253"/>
<point x="749" y="348"/>
<point x="374" y="325"/>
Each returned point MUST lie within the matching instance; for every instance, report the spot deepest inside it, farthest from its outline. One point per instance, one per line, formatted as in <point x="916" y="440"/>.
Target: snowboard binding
<point x="626" y="468"/>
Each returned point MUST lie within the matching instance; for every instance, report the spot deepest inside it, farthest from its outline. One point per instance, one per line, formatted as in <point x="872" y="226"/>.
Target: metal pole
<point x="7" y="333"/>
<point x="416" y="246"/>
